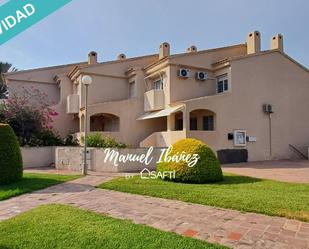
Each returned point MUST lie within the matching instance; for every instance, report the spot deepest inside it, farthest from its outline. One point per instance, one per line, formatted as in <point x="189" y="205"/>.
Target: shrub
<point x="30" y="115"/>
<point x="11" y="166"/>
<point x="97" y="140"/>
<point x="69" y="140"/>
<point x="207" y="168"/>
<point x="45" y="138"/>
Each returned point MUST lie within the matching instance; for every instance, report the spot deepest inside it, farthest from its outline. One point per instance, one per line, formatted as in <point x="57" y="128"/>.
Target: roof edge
<point x="270" y="52"/>
<point x="44" y="68"/>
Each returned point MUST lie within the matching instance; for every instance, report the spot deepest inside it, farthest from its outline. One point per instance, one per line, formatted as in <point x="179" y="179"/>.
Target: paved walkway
<point x="284" y="170"/>
<point x="228" y="227"/>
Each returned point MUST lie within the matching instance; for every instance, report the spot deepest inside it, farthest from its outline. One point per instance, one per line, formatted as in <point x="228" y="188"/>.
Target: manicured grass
<point x="235" y="192"/>
<point x="58" y="226"/>
<point x="32" y="182"/>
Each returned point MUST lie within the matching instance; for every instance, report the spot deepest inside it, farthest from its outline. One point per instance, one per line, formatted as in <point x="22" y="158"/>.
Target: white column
<point x="171" y="122"/>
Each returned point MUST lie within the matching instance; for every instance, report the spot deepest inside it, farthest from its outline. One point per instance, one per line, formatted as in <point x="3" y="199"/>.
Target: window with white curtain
<point x="222" y="83"/>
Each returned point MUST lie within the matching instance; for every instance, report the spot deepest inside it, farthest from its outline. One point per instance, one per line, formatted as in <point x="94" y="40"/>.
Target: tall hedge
<point x="206" y="170"/>
<point x="11" y="166"/>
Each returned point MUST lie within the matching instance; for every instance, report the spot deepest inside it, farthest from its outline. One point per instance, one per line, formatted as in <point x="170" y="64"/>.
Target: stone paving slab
<point x="223" y="226"/>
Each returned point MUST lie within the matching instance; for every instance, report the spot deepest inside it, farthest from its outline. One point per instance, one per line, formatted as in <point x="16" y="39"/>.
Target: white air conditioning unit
<point x="184" y="73"/>
<point x="201" y="76"/>
<point x="267" y="108"/>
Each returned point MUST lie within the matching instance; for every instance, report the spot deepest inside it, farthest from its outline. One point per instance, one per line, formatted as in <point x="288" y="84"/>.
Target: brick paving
<point x="227" y="227"/>
<point x="283" y="170"/>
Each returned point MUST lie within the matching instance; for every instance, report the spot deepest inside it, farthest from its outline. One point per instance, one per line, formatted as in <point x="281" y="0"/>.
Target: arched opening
<point x="202" y="120"/>
<point x="104" y="122"/>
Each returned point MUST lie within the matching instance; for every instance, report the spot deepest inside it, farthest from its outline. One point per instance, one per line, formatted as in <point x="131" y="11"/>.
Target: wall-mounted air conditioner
<point x="267" y="108"/>
<point x="202" y="76"/>
<point x="184" y="73"/>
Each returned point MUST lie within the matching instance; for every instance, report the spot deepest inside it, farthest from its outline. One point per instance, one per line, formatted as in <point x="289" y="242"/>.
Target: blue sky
<point x="137" y="27"/>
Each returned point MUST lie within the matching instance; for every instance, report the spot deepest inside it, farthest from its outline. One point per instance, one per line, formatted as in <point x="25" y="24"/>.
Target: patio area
<point x="228" y="227"/>
<point x="282" y="170"/>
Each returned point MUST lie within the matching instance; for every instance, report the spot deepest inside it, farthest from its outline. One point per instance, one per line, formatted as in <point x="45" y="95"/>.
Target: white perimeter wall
<point x="38" y="156"/>
<point x="70" y="158"/>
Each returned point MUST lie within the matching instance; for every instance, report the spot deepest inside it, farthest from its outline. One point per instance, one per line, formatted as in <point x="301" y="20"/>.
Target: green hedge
<point x="99" y="141"/>
<point x="207" y="169"/>
<point x="11" y="166"/>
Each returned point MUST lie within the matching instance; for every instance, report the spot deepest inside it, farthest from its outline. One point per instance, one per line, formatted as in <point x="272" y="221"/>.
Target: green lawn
<point x="32" y="182"/>
<point x="235" y="192"/>
<point x="64" y="227"/>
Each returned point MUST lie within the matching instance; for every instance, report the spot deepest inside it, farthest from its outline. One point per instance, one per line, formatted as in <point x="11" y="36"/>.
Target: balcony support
<point x="171" y="122"/>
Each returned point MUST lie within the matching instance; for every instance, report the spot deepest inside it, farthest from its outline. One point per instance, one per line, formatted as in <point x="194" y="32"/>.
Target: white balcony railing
<point x="73" y="104"/>
<point x="154" y="100"/>
<point x="163" y="138"/>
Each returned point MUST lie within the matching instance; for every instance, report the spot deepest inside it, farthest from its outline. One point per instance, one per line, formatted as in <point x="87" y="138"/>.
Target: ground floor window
<point x="208" y="123"/>
<point x="193" y="124"/>
<point x="202" y="120"/>
<point x="179" y="124"/>
<point x="104" y="122"/>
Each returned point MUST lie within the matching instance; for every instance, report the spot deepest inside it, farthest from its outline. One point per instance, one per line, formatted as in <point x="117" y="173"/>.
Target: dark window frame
<point x="222" y="83"/>
<point x="209" y="123"/>
<point x="193" y="124"/>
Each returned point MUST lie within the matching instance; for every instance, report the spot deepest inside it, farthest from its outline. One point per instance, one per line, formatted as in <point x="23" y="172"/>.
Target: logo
<point x="147" y="174"/>
<point x="16" y="16"/>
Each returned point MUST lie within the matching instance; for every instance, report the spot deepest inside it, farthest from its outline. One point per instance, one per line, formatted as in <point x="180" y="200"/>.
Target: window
<point x="208" y="123"/>
<point x="158" y="85"/>
<point x="222" y="83"/>
<point x="132" y="89"/>
<point x="193" y="124"/>
<point x="178" y="125"/>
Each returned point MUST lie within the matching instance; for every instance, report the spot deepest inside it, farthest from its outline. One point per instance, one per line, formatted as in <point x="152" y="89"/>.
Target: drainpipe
<point x="270" y="135"/>
<point x="185" y="117"/>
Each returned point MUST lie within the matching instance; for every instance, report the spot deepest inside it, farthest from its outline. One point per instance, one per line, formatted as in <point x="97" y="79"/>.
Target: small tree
<point x="11" y="166"/>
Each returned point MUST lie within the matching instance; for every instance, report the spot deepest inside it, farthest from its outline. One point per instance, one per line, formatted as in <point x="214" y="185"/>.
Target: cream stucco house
<point x="231" y="97"/>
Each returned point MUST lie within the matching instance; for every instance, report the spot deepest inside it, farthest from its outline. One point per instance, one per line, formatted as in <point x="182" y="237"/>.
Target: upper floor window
<point x="158" y="85"/>
<point x="222" y="83"/>
<point x="132" y="91"/>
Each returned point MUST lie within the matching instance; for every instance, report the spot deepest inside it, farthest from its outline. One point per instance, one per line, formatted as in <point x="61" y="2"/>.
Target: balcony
<point x="73" y="104"/>
<point x="154" y="100"/>
<point x="162" y="139"/>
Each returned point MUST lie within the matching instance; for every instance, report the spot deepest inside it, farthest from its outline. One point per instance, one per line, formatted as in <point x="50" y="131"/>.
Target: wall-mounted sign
<point x="251" y="139"/>
<point x="240" y="138"/>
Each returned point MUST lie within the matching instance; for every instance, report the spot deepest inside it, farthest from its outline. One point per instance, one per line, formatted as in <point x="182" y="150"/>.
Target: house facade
<point x="235" y="97"/>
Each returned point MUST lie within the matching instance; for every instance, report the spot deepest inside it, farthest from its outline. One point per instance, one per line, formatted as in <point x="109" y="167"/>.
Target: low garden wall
<point x="70" y="158"/>
<point x="38" y="156"/>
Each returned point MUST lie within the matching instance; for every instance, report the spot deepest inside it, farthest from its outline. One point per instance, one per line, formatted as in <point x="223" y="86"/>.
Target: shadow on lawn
<point x="30" y="183"/>
<point x="227" y="180"/>
<point x="236" y="179"/>
<point x="42" y="185"/>
<point x="4" y="247"/>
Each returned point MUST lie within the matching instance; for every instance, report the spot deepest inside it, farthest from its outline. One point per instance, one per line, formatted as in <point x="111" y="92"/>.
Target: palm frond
<point x="6" y="67"/>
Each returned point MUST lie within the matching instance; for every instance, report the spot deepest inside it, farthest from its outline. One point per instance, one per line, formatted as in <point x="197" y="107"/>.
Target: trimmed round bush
<point x="11" y="166"/>
<point x="206" y="170"/>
